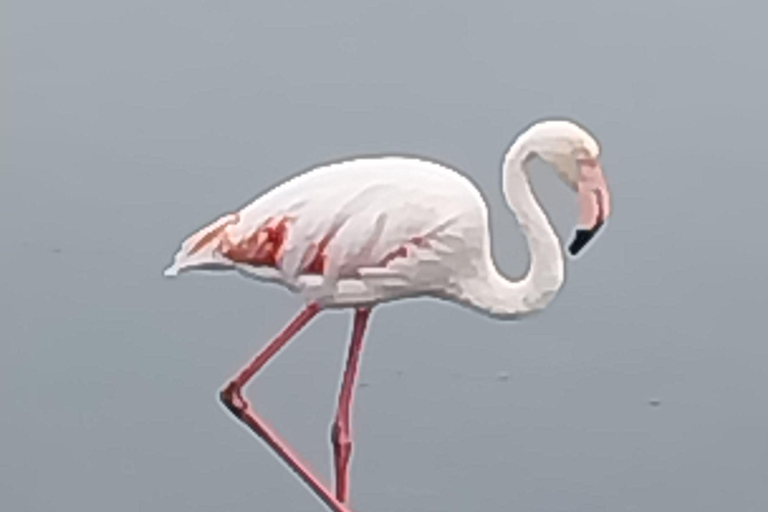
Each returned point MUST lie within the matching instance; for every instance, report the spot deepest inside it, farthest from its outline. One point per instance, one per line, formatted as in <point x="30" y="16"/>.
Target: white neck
<point x="493" y="293"/>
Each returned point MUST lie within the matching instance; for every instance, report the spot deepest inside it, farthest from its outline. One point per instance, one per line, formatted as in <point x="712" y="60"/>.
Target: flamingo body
<point x="352" y="233"/>
<point x="369" y="230"/>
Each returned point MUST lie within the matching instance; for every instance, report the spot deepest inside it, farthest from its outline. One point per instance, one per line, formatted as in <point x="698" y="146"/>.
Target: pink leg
<point x="341" y="437"/>
<point x="232" y="398"/>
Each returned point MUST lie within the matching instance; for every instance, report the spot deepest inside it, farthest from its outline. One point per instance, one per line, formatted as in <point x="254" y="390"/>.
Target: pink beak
<point x="594" y="203"/>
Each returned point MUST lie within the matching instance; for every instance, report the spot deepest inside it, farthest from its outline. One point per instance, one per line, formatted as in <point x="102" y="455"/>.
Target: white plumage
<point x="364" y="231"/>
<point x="393" y="227"/>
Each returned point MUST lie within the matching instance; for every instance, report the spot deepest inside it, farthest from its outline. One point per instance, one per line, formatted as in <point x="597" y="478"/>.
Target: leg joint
<point x="339" y="435"/>
<point x="233" y="400"/>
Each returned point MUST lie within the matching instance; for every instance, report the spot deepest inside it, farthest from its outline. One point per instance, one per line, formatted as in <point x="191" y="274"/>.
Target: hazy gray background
<point x="129" y="125"/>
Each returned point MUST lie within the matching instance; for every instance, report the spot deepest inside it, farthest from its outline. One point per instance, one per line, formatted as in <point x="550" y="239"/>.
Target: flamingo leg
<point x="232" y="398"/>
<point x="341" y="437"/>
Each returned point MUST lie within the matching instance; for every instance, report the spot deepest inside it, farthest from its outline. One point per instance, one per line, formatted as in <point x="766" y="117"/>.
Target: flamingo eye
<point x="587" y="161"/>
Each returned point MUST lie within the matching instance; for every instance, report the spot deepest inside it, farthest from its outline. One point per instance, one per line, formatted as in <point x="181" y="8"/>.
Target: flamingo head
<point x="575" y="154"/>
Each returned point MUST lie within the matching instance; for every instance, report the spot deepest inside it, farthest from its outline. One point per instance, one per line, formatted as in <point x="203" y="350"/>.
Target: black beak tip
<point x="582" y="238"/>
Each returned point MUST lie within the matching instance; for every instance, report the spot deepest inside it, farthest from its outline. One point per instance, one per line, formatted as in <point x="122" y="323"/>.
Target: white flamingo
<point x="364" y="231"/>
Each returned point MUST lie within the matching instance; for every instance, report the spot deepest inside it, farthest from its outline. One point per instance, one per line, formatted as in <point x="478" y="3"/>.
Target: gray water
<point x="129" y="125"/>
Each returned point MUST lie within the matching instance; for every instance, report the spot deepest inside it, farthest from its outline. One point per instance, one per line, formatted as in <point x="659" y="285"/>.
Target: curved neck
<point x="493" y="293"/>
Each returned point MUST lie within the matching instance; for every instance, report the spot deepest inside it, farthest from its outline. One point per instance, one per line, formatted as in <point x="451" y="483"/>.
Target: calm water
<point x="129" y="126"/>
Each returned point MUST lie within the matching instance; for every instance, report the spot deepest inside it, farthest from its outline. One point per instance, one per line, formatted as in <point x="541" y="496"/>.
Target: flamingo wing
<point x="388" y="222"/>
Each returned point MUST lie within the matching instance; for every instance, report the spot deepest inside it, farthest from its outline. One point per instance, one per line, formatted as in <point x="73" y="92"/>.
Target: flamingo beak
<point x="594" y="203"/>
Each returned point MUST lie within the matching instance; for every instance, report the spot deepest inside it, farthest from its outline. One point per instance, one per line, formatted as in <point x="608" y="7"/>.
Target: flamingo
<point x="360" y="232"/>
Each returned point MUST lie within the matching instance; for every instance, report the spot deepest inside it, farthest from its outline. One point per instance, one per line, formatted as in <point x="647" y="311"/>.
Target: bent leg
<point x="232" y="398"/>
